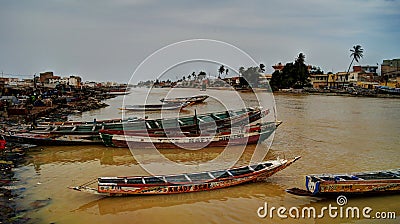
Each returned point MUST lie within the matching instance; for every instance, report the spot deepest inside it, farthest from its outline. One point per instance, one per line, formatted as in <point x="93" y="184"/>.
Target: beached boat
<point x="190" y="99"/>
<point x="75" y="133"/>
<point x="52" y="139"/>
<point x="184" y="123"/>
<point x="119" y="91"/>
<point x="192" y="123"/>
<point x="376" y="182"/>
<point x="246" y="135"/>
<point x="95" y="121"/>
<point x="156" y="107"/>
<point x="185" y="183"/>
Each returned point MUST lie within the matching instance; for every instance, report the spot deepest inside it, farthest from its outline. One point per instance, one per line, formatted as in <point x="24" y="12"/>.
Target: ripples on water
<point x="332" y="134"/>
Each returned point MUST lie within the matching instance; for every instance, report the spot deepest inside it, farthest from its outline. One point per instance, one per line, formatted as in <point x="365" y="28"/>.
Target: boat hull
<point x="353" y="187"/>
<point x="366" y="183"/>
<point x="51" y="140"/>
<point x="257" y="134"/>
<point x="119" y="186"/>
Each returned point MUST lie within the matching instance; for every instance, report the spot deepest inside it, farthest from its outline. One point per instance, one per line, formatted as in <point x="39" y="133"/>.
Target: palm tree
<point x="301" y="59"/>
<point x="262" y="68"/>
<point x="356" y="54"/>
<point x="241" y="70"/>
<point x="221" y="70"/>
<point x="226" y="72"/>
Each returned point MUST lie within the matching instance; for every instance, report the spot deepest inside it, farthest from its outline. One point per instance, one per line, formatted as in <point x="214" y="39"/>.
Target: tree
<point x="356" y="54"/>
<point x="251" y="76"/>
<point x="202" y="75"/>
<point x="226" y="72"/>
<point x="301" y="71"/>
<point x="221" y="70"/>
<point x="241" y="70"/>
<point x="301" y="58"/>
<point x="293" y="75"/>
<point x="262" y="68"/>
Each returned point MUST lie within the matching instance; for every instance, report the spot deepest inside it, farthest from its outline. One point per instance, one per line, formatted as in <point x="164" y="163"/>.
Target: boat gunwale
<point x="274" y="164"/>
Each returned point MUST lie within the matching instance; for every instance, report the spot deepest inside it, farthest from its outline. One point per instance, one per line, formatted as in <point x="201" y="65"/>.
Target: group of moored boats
<point x="214" y="129"/>
<point x="231" y="127"/>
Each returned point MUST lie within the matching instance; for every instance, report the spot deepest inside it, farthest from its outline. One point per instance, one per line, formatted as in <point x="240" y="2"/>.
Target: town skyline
<point x="108" y="40"/>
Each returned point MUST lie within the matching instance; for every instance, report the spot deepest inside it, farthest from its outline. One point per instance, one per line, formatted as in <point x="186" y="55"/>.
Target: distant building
<point x="319" y="81"/>
<point x="54" y="80"/>
<point x="278" y="67"/>
<point x="74" y="81"/>
<point x="391" y="68"/>
<point x="44" y="76"/>
<point x="365" y="68"/>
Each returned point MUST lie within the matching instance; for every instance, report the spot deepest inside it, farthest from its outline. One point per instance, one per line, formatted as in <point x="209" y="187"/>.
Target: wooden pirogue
<point x="190" y="99"/>
<point x="187" y="182"/>
<point x="363" y="183"/>
<point x="245" y="135"/>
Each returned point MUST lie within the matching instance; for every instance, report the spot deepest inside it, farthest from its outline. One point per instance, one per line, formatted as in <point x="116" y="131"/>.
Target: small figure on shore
<point x="2" y="143"/>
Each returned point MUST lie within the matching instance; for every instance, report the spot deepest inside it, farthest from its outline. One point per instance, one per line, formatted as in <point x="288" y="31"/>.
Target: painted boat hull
<point x="353" y="187"/>
<point x="119" y="186"/>
<point x="53" y="140"/>
<point x="366" y="183"/>
<point x="256" y="134"/>
<point x="156" y="107"/>
<point x="192" y="100"/>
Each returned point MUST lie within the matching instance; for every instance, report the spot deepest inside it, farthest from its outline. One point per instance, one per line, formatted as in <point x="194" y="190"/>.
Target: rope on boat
<point x="88" y="183"/>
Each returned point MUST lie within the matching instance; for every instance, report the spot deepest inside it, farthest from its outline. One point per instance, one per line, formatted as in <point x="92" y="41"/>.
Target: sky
<point x="102" y="40"/>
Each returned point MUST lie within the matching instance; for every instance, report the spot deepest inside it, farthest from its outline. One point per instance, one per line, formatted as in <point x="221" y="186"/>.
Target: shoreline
<point x="377" y="95"/>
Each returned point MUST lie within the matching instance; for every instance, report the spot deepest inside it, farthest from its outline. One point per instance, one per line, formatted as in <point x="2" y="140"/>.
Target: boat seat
<point x="229" y="172"/>
<point x="200" y="120"/>
<point x="187" y="177"/>
<point x="148" y="125"/>
<point x="157" y="124"/>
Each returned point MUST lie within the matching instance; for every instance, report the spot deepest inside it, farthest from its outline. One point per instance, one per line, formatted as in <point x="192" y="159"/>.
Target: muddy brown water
<point x="333" y="134"/>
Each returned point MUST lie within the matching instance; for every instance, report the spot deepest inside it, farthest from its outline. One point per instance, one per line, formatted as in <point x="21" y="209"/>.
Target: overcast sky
<point x="106" y="40"/>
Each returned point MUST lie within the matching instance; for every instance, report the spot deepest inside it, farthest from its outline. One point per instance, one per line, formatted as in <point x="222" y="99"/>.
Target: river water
<point x="332" y="134"/>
